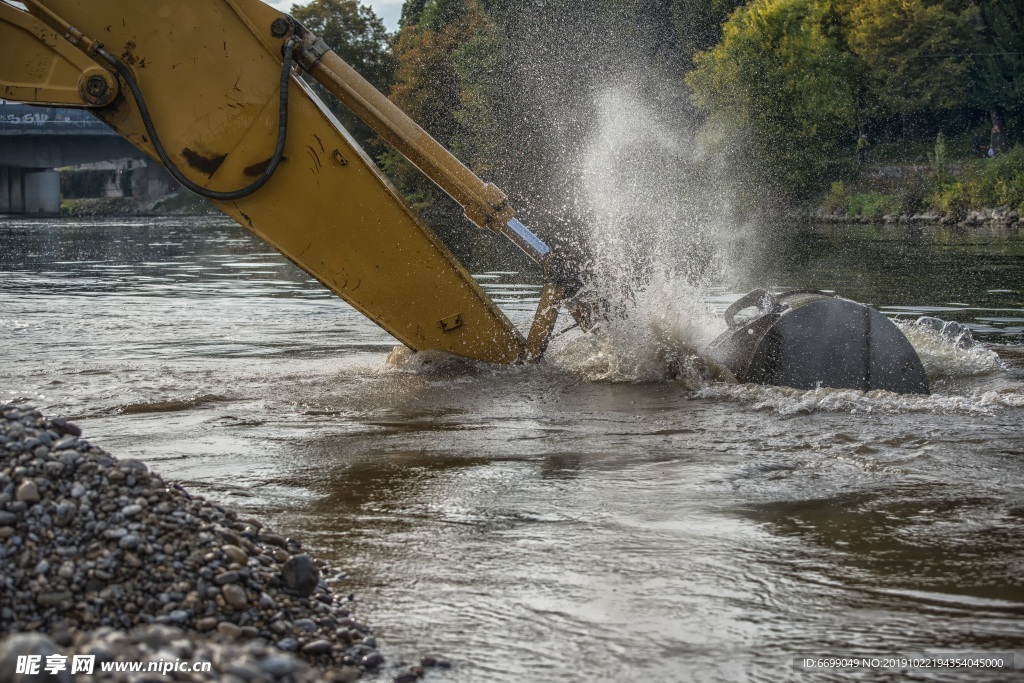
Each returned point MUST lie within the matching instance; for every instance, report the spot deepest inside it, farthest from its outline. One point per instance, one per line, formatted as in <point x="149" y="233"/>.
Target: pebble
<point x="235" y="596"/>
<point x="228" y="629"/>
<point x="107" y="558"/>
<point x="317" y="647"/>
<point x="226" y="578"/>
<point x="235" y="554"/>
<point x="305" y="625"/>
<point x="27" y="491"/>
<point x="300" y="574"/>
<point x="65" y="513"/>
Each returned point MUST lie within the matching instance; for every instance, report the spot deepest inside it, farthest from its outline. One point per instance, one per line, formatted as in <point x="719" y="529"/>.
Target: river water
<point x="585" y="519"/>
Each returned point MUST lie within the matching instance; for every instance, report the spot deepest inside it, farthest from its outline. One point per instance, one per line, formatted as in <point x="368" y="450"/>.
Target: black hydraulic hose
<point x="282" y="129"/>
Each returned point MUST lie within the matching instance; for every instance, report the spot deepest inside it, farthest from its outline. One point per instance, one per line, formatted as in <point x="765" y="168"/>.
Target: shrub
<point x="1001" y="181"/>
<point x="871" y="205"/>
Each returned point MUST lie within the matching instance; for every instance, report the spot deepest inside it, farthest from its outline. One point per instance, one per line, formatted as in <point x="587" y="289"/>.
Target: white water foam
<point x="947" y="350"/>
<point x="655" y="220"/>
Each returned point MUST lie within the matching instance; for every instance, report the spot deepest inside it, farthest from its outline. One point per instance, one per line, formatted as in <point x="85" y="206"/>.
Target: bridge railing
<point x="24" y="119"/>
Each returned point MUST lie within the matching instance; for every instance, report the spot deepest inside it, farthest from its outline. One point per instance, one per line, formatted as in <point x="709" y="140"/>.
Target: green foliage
<point x="779" y="74"/>
<point x="983" y="184"/>
<point x="870" y="205"/>
<point x="358" y="36"/>
<point x="355" y="33"/>
<point x="939" y="161"/>
<point x="998" y="78"/>
<point x="914" y="192"/>
<point x="914" y="53"/>
<point x="1001" y="181"/>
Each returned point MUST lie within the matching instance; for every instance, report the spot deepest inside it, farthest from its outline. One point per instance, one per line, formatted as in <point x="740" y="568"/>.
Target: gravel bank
<point x="101" y="556"/>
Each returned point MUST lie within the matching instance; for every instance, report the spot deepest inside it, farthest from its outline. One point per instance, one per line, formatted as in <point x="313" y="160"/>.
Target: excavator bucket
<point x="811" y="339"/>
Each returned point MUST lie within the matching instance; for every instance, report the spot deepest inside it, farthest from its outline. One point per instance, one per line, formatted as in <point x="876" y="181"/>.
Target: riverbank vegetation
<point x="867" y="107"/>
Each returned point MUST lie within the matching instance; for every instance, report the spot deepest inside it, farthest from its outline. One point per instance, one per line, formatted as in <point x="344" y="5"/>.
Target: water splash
<point x="948" y="351"/>
<point x="654" y="221"/>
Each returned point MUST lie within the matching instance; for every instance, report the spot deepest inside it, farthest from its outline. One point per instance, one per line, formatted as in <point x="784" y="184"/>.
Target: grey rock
<point x="65" y="442"/>
<point x="235" y="596"/>
<point x="317" y="647"/>
<point x="65" y="513"/>
<point x="307" y="625"/>
<point x="27" y="491"/>
<point x="51" y="599"/>
<point x="288" y="644"/>
<point x="226" y="578"/>
<point x="129" y="542"/>
<point x="133" y="464"/>
<point x="372" y="660"/>
<point x="8" y="518"/>
<point x="278" y="666"/>
<point x="300" y="574"/>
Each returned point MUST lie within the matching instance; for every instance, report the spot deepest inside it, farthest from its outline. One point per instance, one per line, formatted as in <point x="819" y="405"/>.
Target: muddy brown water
<point x="559" y="522"/>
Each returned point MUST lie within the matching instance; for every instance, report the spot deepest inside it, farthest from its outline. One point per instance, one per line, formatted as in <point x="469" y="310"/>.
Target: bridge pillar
<point x="12" y="189"/>
<point x="42" y="191"/>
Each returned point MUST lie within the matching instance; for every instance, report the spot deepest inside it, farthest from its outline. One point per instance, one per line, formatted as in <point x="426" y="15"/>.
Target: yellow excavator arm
<point x="209" y="90"/>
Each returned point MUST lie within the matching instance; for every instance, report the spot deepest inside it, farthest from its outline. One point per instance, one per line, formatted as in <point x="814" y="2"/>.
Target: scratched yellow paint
<point x="211" y="87"/>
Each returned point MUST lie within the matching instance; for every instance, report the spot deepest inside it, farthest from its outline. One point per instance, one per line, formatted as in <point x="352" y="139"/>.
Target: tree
<point x="999" y="66"/>
<point x="915" y="53"/>
<point x="358" y="36"/>
<point x="355" y="33"/>
<point x="779" y="86"/>
<point x="429" y="87"/>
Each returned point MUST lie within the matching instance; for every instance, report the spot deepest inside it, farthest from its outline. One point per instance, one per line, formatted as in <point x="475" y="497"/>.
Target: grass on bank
<point x="945" y="186"/>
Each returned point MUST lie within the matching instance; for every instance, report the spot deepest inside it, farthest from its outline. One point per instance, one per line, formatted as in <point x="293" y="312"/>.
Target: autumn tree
<point x="999" y="66"/>
<point x="779" y="86"/>
<point x="915" y="53"/>
<point x="358" y="36"/>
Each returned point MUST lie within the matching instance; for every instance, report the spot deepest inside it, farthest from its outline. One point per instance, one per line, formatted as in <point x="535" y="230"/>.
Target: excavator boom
<point x="206" y="89"/>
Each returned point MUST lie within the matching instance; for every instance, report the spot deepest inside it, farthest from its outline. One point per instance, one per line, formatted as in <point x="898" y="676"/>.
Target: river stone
<point x="288" y="644"/>
<point x="278" y="666"/>
<point x="235" y="596"/>
<point x="226" y="578"/>
<point x="372" y="660"/>
<point x="8" y="518"/>
<point x="65" y="513"/>
<point x="27" y="491"/>
<point x="129" y="542"/>
<point x="206" y="624"/>
<point x="235" y="554"/>
<point x="305" y="625"/>
<point x="317" y="647"/>
<point x="300" y="574"/>
<point x="228" y="629"/>
<point x="131" y="510"/>
<point x="51" y="599"/>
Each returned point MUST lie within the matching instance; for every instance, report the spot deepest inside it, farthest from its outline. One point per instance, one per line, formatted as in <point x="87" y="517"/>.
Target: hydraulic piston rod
<point x="484" y="204"/>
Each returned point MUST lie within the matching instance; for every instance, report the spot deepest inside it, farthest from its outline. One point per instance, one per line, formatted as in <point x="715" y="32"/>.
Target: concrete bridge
<point x="34" y="141"/>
